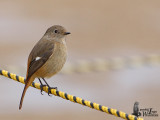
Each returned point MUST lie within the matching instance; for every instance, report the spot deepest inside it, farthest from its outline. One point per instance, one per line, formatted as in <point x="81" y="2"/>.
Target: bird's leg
<point x="41" y="86"/>
<point x="49" y="88"/>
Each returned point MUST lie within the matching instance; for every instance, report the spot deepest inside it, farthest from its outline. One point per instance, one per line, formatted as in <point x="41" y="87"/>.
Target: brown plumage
<point x="47" y="57"/>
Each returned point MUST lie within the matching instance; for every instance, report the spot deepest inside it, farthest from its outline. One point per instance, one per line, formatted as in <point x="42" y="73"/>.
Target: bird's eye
<point x="56" y="31"/>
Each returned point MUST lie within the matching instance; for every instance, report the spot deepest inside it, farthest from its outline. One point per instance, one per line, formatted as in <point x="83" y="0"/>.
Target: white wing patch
<point x="38" y="58"/>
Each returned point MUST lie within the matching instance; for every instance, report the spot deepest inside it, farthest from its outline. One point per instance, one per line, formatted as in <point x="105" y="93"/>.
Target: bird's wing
<point x="38" y="56"/>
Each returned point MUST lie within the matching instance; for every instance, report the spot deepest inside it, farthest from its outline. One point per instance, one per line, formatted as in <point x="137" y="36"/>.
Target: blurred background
<point x="100" y="29"/>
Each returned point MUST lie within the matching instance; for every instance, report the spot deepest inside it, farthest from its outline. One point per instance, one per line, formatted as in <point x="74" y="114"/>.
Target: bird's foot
<point x="49" y="90"/>
<point x="41" y="87"/>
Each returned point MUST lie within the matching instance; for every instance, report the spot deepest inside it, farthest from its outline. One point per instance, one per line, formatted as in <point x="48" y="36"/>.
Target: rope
<point x="73" y="98"/>
<point x="117" y="63"/>
<point x="100" y="64"/>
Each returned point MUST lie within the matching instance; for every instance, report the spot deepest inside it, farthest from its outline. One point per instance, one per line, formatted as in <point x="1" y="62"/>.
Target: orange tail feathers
<point x="28" y="82"/>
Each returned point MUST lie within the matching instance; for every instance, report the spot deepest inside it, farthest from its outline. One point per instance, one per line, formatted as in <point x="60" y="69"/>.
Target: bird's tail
<point x="27" y="84"/>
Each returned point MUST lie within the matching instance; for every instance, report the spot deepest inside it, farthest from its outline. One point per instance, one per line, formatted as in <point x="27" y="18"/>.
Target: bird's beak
<point x="67" y="33"/>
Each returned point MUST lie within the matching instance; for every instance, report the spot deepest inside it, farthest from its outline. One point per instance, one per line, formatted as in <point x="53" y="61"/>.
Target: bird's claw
<point x="49" y="90"/>
<point x="41" y="87"/>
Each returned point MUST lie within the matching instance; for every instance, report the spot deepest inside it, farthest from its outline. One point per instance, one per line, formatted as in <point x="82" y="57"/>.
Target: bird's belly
<point x="53" y="65"/>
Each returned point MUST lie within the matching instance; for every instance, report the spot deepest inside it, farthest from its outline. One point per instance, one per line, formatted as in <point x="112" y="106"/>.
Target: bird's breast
<point x="55" y="63"/>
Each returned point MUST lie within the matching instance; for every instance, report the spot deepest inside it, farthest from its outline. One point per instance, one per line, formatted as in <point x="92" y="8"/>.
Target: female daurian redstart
<point x="47" y="57"/>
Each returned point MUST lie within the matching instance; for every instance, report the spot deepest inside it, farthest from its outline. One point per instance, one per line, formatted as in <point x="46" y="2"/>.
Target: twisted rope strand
<point x="101" y="64"/>
<point x="73" y="98"/>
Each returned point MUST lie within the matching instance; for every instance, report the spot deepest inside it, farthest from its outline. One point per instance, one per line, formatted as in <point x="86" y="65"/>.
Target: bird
<point x="46" y="58"/>
<point x="136" y="109"/>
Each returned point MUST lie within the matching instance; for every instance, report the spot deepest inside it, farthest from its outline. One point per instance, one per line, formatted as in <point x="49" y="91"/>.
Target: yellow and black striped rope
<point x="73" y="98"/>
